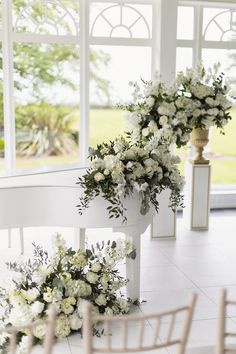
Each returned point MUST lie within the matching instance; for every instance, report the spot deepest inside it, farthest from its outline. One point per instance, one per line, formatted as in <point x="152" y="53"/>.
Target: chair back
<point x="143" y="341"/>
<point x="223" y="334"/>
<point x="14" y="331"/>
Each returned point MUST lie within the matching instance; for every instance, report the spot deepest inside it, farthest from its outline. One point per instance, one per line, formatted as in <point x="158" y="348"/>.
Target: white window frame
<point x="84" y="40"/>
<point x="222" y="196"/>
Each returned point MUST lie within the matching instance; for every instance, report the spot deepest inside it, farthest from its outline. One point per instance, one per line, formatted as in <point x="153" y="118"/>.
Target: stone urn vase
<point x="199" y="139"/>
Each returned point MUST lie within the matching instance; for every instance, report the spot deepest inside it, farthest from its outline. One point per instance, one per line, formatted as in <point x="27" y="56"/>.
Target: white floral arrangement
<point x="204" y="95"/>
<point x="156" y="112"/>
<point x="119" y="169"/>
<point x="64" y="280"/>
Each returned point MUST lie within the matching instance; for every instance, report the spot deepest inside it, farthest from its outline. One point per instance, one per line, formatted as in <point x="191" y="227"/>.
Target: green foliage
<point x="46" y="130"/>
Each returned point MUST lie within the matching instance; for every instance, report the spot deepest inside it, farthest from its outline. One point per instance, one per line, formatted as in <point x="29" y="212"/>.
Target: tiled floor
<point x="202" y="262"/>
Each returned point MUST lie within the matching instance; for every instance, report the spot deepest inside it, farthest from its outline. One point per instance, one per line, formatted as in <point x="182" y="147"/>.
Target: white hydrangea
<point x="62" y="328"/>
<point x="101" y="300"/>
<point x="96" y="267"/>
<point x="67" y="305"/>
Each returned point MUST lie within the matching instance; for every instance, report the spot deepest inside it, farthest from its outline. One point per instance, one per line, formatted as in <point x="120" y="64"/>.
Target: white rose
<point x="31" y="294"/>
<point x="92" y="277"/>
<point x="196" y="113"/>
<point x="40" y="331"/>
<point x="124" y="305"/>
<point x="213" y="111"/>
<point x="37" y="307"/>
<point x="99" y="177"/>
<point x="75" y="322"/>
<point x="96" y="267"/>
<point x="210" y="101"/>
<point x="101" y="300"/>
<point x="145" y="131"/>
<point x="106" y="172"/>
<point x="150" y="101"/>
<point x="163" y="120"/>
<point x="48" y="297"/>
<point x="224" y="122"/>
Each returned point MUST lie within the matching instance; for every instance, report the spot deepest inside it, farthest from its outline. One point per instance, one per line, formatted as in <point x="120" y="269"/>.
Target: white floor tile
<point x="202" y="262"/>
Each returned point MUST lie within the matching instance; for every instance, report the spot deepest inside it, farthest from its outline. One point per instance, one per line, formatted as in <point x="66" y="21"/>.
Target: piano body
<point x="50" y="199"/>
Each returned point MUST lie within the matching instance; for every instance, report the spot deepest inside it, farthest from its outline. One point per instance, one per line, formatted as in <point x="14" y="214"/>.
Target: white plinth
<point x="197" y="195"/>
<point x="164" y="223"/>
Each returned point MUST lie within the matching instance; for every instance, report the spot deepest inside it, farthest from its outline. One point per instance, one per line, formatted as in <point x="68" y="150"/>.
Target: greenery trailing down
<point x="65" y="280"/>
<point x="119" y="169"/>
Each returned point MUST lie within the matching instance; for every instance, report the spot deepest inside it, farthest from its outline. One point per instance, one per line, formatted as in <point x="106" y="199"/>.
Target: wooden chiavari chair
<point x="222" y="347"/>
<point x="155" y="342"/>
<point x="13" y="332"/>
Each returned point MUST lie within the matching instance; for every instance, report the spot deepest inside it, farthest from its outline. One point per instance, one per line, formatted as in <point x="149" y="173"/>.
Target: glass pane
<point x="185" y="22"/>
<point x="184" y="58"/>
<point x="54" y="17"/>
<point x="47" y="103"/>
<point x="222" y="148"/>
<point x="1" y="116"/>
<point x="118" y="66"/>
<point x="120" y="20"/>
<point x="219" y="24"/>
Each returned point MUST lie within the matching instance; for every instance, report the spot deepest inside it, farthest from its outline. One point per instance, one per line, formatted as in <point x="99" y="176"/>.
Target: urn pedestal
<point x="196" y="196"/>
<point x="199" y="139"/>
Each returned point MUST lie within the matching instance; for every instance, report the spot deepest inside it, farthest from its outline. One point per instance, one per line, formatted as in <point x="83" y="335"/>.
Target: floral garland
<point x="64" y="280"/>
<point x="206" y="93"/>
<point x="118" y="169"/>
<point x="197" y="99"/>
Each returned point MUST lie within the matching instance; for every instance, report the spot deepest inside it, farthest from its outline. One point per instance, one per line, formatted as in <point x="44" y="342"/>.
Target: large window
<point x="66" y="64"/>
<point x="208" y="33"/>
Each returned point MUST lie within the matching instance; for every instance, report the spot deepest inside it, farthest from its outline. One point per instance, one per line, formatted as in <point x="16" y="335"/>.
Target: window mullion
<point x="8" y="88"/>
<point x="198" y="20"/>
<point x="84" y="81"/>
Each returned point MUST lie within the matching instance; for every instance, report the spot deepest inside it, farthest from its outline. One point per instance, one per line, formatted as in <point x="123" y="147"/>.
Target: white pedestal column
<point x="197" y="195"/>
<point x="164" y="223"/>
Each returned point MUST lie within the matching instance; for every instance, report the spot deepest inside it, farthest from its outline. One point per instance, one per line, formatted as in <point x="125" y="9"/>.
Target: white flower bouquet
<point x="119" y="169"/>
<point x="204" y="95"/>
<point x="155" y="112"/>
<point x="64" y="280"/>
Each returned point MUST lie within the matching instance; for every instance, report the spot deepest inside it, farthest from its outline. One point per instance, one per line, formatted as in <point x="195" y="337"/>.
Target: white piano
<point x="50" y="199"/>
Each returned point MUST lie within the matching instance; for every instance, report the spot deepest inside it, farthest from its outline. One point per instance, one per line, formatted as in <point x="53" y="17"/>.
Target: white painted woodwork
<point x="197" y="194"/>
<point x="50" y="199"/>
<point x="165" y="221"/>
<point x="163" y="225"/>
<point x="142" y="342"/>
